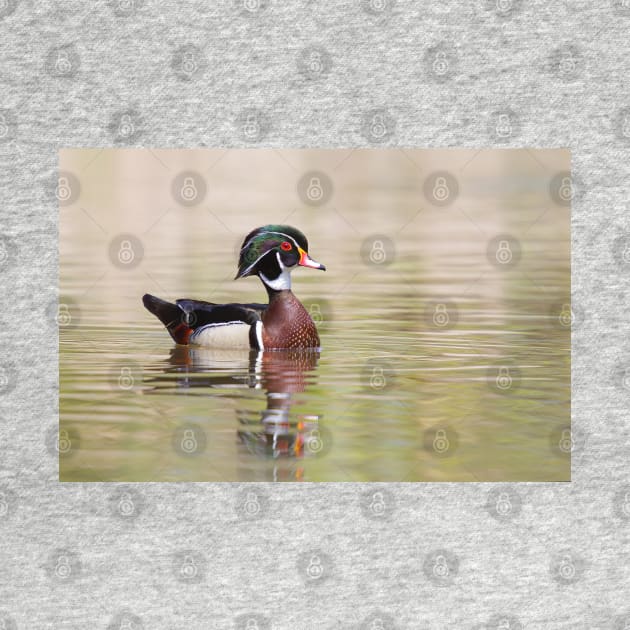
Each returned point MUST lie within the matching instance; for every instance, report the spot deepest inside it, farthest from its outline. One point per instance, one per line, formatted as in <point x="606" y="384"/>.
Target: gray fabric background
<point x="557" y="559"/>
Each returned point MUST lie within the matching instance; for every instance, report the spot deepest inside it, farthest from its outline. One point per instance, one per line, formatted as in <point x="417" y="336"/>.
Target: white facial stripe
<point x="282" y="282"/>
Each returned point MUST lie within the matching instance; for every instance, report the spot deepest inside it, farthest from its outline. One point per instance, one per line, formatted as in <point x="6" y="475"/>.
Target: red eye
<point x="286" y="246"/>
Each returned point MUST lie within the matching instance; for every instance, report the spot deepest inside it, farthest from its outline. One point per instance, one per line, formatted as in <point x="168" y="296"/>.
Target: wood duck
<point x="270" y="252"/>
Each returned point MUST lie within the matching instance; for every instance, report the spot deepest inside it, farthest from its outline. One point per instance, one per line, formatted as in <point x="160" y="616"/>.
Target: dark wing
<point x="185" y="316"/>
<point x="197" y="313"/>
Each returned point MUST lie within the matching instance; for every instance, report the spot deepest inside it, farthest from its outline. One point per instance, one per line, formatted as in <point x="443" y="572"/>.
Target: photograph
<point x="314" y="315"/>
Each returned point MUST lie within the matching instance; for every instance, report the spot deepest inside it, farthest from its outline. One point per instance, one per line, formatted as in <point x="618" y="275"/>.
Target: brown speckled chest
<point x="287" y="324"/>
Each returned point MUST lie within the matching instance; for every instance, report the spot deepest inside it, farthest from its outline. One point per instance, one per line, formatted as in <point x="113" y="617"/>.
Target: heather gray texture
<point x="313" y="73"/>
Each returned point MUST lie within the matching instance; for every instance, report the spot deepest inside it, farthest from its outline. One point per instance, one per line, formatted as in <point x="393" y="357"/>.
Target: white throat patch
<point x="282" y="282"/>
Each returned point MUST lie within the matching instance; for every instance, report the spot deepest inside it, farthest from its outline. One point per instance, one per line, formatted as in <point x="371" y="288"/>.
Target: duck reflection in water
<point x="276" y="433"/>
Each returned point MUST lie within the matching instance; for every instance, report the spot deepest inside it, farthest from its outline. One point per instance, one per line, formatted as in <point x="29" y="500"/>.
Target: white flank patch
<point x="225" y="335"/>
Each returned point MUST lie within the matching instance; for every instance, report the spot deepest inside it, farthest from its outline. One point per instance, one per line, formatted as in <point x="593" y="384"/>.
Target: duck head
<point x="271" y="252"/>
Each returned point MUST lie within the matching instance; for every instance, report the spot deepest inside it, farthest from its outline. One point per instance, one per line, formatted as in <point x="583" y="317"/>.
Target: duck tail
<point x="171" y="315"/>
